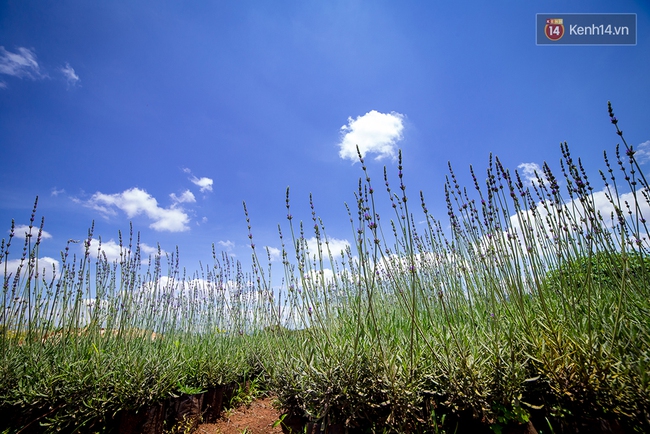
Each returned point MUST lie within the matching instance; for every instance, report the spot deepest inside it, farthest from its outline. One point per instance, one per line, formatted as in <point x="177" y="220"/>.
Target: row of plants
<point x="103" y="338"/>
<point x="528" y="306"/>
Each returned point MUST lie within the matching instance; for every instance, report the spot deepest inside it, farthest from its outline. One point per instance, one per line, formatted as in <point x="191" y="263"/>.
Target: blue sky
<point x="170" y="114"/>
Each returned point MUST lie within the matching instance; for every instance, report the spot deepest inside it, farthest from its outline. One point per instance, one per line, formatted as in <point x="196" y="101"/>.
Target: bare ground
<point x="257" y="418"/>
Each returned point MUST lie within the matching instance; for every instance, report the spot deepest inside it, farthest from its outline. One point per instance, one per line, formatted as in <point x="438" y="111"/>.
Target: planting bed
<point x="176" y="415"/>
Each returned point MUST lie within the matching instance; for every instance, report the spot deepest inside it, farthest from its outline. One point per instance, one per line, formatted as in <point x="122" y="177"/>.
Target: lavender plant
<point x="532" y="304"/>
<point x="102" y="337"/>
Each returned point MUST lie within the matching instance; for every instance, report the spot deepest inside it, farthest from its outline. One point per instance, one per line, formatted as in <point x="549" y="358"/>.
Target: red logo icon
<point x="554" y="29"/>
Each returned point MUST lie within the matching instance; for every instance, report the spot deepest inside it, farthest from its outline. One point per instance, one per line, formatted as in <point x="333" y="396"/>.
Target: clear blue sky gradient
<point x="253" y="95"/>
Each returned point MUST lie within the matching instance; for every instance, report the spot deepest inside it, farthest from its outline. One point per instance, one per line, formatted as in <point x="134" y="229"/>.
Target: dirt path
<point x="258" y="418"/>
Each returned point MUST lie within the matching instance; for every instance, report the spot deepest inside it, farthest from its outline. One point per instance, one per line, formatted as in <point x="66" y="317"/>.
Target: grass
<point x="529" y="304"/>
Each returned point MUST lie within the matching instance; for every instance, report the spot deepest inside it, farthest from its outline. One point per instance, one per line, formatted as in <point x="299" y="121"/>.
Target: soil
<point x="260" y="416"/>
<point x="257" y="418"/>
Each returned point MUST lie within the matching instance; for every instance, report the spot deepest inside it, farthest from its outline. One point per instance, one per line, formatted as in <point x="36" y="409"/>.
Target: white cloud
<point x="55" y="192"/>
<point x="185" y="197"/>
<point x="22" y="64"/>
<point x="200" y="288"/>
<point x="228" y="245"/>
<point x="204" y="183"/>
<point x="373" y="132"/>
<point x="112" y="250"/>
<point x="136" y="202"/>
<point x="642" y="154"/>
<point x="46" y="266"/>
<point x="325" y="275"/>
<point x="21" y="230"/>
<point x="335" y="246"/>
<point x="529" y="172"/>
<point x="148" y="250"/>
<point x="68" y="72"/>
<point x="274" y="253"/>
<point x="573" y="213"/>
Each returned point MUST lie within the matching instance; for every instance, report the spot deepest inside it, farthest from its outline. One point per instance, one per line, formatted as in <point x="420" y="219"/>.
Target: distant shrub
<point x="604" y="270"/>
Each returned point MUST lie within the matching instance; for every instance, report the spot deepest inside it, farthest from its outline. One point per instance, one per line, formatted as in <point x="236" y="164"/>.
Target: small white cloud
<point x="228" y="245"/>
<point x="185" y="197"/>
<point x="335" y="246"/>
<point x="68" y="72"/>
<point x="205" y="184"/>
<point x="373" y="132"/>
<point x="22" y="64"/>
<point x="3" y="85"/>
<point x="46" y="267"/>
<point x="20" y="231"/>
<point x="320" y="276"/>
<point x="541" y="221"/>
<point x="56" y="192"/>
<point x="110" y="248"/>
<point x="642" y="153"/>
<point x="529" y="172"/>
<point x="114" y="252"/>
<point x="273" y="252"/>
<point x="136" y="202"/>
<point x="147" y="250"/>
